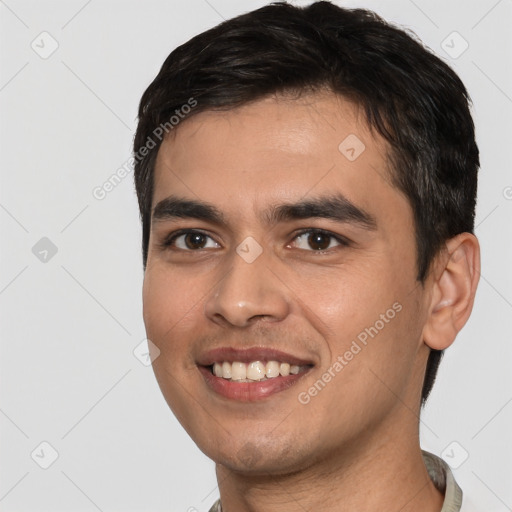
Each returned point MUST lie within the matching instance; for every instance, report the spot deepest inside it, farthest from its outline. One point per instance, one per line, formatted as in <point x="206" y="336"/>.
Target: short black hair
<point x="409" y="95"/>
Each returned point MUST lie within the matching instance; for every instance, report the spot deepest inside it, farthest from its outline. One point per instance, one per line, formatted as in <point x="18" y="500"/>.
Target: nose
<point x="247" y="292"/>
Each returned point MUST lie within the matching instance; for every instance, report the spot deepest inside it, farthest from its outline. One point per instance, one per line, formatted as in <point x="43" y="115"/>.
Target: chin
<point x="258" y="458"/>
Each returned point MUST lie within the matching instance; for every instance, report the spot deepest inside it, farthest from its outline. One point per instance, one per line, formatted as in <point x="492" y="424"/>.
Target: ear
<point x="455" y="278"/>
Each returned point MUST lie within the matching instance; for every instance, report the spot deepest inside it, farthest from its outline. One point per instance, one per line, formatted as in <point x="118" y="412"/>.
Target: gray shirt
<point x="440" y="474"/>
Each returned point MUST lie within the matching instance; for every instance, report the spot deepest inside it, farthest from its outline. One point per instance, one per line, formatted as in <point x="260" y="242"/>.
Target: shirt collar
<point x="442" y="477"/>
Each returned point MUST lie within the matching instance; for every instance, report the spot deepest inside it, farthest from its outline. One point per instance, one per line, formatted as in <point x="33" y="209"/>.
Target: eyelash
<point x="168" y="241"/>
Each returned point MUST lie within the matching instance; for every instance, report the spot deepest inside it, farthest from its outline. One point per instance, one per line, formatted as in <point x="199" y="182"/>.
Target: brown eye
<point x="189" y="241"/>
<point x="317" y="240"/>
<point x="195" y="240"/>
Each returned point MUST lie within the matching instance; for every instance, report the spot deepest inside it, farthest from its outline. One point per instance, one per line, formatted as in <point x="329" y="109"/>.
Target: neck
<point x="386" y="475"/>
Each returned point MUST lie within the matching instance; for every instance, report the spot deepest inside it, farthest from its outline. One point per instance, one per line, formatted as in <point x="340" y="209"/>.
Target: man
<point x="307" y="182"/>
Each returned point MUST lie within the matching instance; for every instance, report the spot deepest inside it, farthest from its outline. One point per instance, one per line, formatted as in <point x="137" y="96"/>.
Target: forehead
<point x="280" y="148"/>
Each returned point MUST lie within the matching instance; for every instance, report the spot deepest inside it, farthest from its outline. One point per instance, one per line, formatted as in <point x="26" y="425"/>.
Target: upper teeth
<point x="256" y="370"/>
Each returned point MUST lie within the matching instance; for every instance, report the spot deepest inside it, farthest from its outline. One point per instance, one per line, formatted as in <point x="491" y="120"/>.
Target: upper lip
<point x="248" y="355"/>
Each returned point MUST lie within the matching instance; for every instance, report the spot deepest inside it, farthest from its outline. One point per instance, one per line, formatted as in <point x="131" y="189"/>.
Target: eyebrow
<point x="335" y="207"/>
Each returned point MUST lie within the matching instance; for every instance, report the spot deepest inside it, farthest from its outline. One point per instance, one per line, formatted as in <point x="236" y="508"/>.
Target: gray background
<point x="70" y="321"/>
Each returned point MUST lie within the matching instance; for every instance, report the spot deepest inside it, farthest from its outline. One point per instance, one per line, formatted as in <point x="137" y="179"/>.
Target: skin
<point x="355" y="445"/>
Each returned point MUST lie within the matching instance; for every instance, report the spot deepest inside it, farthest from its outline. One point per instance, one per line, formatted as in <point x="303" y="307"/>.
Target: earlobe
<point x="456" y="275"/>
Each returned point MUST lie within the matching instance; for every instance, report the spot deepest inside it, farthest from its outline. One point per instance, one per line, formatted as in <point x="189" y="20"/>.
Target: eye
<point x="192" y="240"/>
<point x="188" y="240"/>
<point x="319" y="239"/>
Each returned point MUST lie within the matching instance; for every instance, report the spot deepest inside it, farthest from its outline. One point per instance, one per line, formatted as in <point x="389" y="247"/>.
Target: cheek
<point x="368" y="310"/>
<point x="171" y="322"/>
<point x="349" y="298"/>
<point x="170" y="309"/>
<point x="168" y="297"/>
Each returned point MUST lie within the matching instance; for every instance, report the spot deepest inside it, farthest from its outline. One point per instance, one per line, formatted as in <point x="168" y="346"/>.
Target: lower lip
<point x="249" y="391"/>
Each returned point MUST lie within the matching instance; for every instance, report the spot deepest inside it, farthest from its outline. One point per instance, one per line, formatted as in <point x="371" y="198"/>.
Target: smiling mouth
<point x="255" y="371"/>
<point x="252" y="373"/>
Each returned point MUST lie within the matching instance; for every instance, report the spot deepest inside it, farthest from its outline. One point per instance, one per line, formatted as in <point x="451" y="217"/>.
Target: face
<point x="280" y="250"/>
